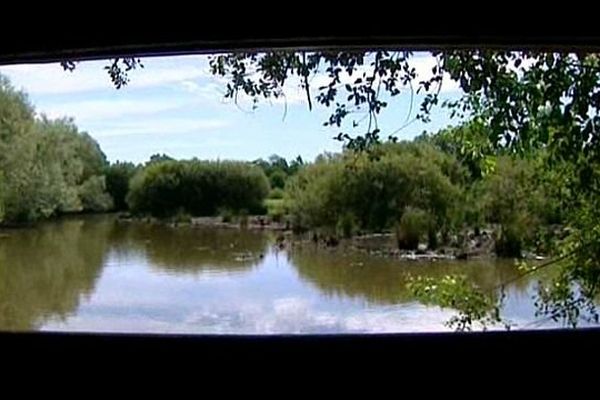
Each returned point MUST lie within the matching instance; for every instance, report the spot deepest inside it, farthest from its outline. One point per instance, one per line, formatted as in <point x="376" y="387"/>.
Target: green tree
<point x="278" y="170"/>
<point x="469" y="143"/>
<point x="197" y="187"/>
<point x="277" y="179"/>
<point x="94" y="196"/>
<point x="43" y="162"/>
<point x="156" y="158"/>
<point x="332" y="191"/>
<point x="507" y="199"/>
<point x="295" y="165"/>
<point x="118" y="176"/>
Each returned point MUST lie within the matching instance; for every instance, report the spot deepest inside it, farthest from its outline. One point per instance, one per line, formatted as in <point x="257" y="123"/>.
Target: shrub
<point x="412" y="226"/>
<point x="118" y="176"/>
<point x="277" y="179"/>
<point x="276" y="209"/>
<point x="182" y="217"/>
<point x="93" y="195"/>
<point x="375" y="187"/>
<point x="200" y="188"/>
<point x="276" y="193"/>
<point x="346" y="225"/>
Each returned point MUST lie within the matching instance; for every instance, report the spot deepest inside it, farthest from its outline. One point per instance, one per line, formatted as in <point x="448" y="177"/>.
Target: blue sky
<point x="174" y="106"/>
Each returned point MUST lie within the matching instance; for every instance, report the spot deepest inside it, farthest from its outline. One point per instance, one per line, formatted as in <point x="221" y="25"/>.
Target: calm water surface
<point x="99" y="274"/>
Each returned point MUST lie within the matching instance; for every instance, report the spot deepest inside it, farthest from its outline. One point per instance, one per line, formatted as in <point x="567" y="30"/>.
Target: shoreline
<point x="380" y="244"/>
<point x="55" y="218"/>
<point x="383" y="244"/>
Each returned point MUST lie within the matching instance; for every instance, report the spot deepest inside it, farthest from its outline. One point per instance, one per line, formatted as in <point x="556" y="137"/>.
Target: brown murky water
<point x="99" y="274"/>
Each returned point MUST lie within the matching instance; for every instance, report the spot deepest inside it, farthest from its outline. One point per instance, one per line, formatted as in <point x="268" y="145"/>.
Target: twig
<point x="539" y="267"/>
<point x="285" y="106"/>
<point x="306" y="86"/>
<point x="372" y="95"/>
<point x="404" y="126"/>
<point x="412" y="96"/>
<point x="549" y="317"/>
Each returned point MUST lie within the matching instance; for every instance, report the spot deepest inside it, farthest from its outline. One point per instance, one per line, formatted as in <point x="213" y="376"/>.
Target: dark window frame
<point x="335" y="351"/>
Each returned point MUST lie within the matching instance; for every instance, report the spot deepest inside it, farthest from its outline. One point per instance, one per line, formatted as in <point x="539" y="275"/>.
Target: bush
<point x="412" y="226"/>
<point x="277" y="179"/>
<point x="346" y="225"/>
<point x="226" y="215"/>
<point x="200" y="188"/>
<point x="93" y="195"/>
<point x="276" y="209"/>
<point x="156" y="189"/>
<point x="314" y="195"/>
<point x="243" y="218"/>
<point x="375" y="188"/>
<point x="118" y="176"/>
<point x="182" y="217"/>
<point x="276" y="193"/>
<point x="511" y="197"/>
<point x="509" y="243"/>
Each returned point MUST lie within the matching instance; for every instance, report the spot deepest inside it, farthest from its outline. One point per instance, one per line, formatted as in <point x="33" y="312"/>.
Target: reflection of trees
<point x="187" y="249"/>
<point x="383" y="281"/>
<point x="44" y="271"/>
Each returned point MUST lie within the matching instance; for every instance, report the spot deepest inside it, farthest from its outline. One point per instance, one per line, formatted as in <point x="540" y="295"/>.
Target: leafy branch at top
<point x="351" y="83"/>
<point x="118" y="69"/>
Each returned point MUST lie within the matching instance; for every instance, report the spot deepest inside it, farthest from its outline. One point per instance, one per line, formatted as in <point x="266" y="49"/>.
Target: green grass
<point x="275" y="208"/>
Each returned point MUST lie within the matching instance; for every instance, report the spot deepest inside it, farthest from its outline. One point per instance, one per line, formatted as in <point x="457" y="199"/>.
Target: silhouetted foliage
<point x="118" y="176"/>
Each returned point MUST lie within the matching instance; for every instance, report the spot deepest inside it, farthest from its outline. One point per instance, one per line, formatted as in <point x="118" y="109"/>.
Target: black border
<point x="472" y="354"/>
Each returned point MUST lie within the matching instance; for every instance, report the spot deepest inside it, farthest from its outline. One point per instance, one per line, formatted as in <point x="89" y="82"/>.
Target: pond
<point x="104" y="275"/>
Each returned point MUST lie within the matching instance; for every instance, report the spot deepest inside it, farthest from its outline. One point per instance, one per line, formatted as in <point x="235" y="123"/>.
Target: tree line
<point x="427" y="190"/>
<point x="423" y="192"/>
<point x="48" y="167"/>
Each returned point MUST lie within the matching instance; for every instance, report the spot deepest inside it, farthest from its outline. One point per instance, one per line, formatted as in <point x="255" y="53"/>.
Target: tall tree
<point x="46" y="166"/>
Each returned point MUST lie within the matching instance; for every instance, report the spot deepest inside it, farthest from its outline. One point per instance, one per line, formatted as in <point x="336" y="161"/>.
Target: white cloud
<point x="159" y="126"/>
<point x="149" y="77"/>
<point x="185" y="71"/>
<point x="189" y="73"/>
<point x="39" y="79"/>
<point x="190" y="86"/>
<point x="99" y="110"/>
<point x="44" y="79"/>
<point x="208" y="90"/>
